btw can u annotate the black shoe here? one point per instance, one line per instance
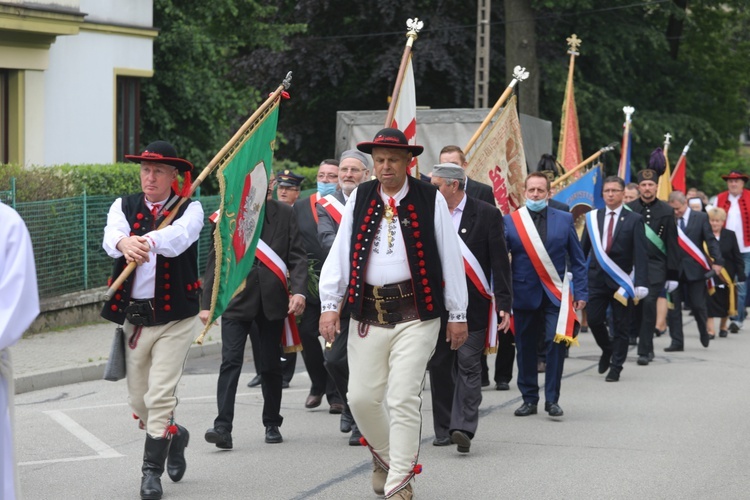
(604, 361)
(643, 360)
(273, 435)
(734, 327)
(651, 356)
(284, 384)
(154, 455)
(674, 348)
(485, 382)
(723, 333)
(502, 386)
(553, 409)
(705, 339)
(354, 439)
(176, 464)
(633, 341)
(584, 329)
(613, 376)
(461, 440)
(219, 436)
(525, 410)
(255, 381)
(313, 400)
(345, 424)
(441, 441)
(659, 333)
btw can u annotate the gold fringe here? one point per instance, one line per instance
(292, 348)
(490, 350)
(564, 339)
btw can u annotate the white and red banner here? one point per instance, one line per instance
(405, 112)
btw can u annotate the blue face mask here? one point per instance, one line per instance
(326, 188)
(536, 206)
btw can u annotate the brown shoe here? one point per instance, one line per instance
(313, 401)
(404, 494)
(379, 475)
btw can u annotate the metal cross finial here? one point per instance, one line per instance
(667, 136)
(628, 110)
(573, 43)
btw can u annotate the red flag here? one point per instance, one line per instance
(569, 148)
(405, 113)
(679, 176)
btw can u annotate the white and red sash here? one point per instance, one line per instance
(476, 275)
(696, 254)
(333, 206)
(290, 340)
(313, 201)
(543, 265)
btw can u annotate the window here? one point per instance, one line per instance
(128, 116)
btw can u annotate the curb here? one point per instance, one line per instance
(94, 371)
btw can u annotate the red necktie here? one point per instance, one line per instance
(155, 211)
(610, 227)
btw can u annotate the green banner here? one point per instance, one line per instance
(243, 179)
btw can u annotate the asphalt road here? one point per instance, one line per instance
(676, 429)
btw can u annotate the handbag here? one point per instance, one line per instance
(115, 369)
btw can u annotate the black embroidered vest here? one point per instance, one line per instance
(416, 216)
(177, 290)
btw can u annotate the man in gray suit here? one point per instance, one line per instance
(692, 227)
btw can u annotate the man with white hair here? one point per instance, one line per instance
(353, 170)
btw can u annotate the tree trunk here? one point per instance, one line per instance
(520, 50)
(674, 28)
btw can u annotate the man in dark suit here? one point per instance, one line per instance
(455, 376)
(695, 227)
(353, 170)
(265, 300)
(307, 219)
(663, 261)
(538, 235)
(617, 240)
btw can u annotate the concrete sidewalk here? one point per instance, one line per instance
(78, 354)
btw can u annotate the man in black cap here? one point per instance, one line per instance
(661, 249)
(157, 304)
(396, 265)
(736, 203)
(288, 187)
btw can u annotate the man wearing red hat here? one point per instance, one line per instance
(736, 202)
(396, 266)
(157, 304)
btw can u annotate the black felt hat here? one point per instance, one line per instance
(162, 152)
(390, 138)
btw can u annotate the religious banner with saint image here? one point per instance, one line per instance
(499, 161)
(243, 179)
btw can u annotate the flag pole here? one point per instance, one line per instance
(414, 26)
(519, 74)
(216, 161)
(684, 153)
(624, 159)
(585, 162)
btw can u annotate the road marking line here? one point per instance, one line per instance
(102, 449)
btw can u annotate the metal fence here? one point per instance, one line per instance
(67, 238)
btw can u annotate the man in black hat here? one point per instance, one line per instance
(288, 187)
(396, 265)
(736, 203)
(661, 249)
(157, 304)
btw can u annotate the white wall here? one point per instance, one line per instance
(125, 12)
(80, 94)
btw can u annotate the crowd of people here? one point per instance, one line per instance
(414, 277)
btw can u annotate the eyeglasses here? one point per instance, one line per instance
(353, 170)
(331, 177)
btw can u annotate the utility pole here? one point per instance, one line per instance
(482, 74)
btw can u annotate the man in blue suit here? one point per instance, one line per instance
(539, 239)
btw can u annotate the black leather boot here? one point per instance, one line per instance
(176, 459)
(154, 455)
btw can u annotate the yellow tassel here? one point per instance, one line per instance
(564, 339)
(292, 348)
(490, 350)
